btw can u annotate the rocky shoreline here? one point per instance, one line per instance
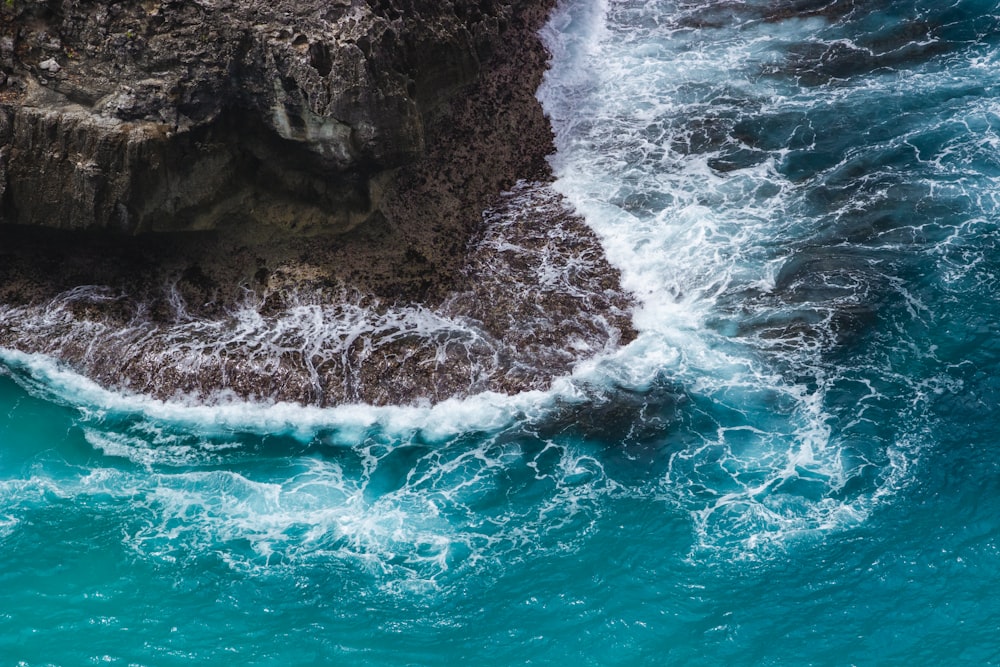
(294, 209)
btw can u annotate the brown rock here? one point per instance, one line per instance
(284, 199)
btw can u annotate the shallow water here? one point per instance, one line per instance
(792, 464)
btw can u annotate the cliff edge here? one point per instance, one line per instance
(295, 114)
(290, 200)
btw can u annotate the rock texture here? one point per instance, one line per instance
(191, 114)
(534, 296)
(285, 199)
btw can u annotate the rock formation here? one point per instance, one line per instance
(174, 163)
(186, 114)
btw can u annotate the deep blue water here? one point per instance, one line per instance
(796, 462)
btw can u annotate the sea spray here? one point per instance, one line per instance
(792, 462)
(533, 298)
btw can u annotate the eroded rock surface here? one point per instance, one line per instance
(181, 114)
(284, 199)
(534, 295)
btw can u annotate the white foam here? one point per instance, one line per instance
(703, 248)
(484, 412)
(643, 105)
(414, 529)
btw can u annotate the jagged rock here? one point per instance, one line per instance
(189, 115)
(158, 326)
(284, 200)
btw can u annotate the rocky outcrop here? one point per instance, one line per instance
(177, 115)
(534, 295)
(285, 200)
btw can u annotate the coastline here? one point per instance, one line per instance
(400, 309)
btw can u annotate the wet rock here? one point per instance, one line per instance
(284, 200)
(153, 323)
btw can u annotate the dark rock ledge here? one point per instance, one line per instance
(284, 199)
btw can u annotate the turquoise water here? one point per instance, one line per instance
(793, 464)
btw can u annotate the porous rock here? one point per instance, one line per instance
(179, 115)
(284, 200)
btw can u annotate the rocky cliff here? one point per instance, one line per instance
(188, 114)
(167, 167)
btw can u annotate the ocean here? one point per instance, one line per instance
(793, 463)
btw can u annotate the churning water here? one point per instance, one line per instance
(792, 464)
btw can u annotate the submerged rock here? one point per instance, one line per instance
(283, 199)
